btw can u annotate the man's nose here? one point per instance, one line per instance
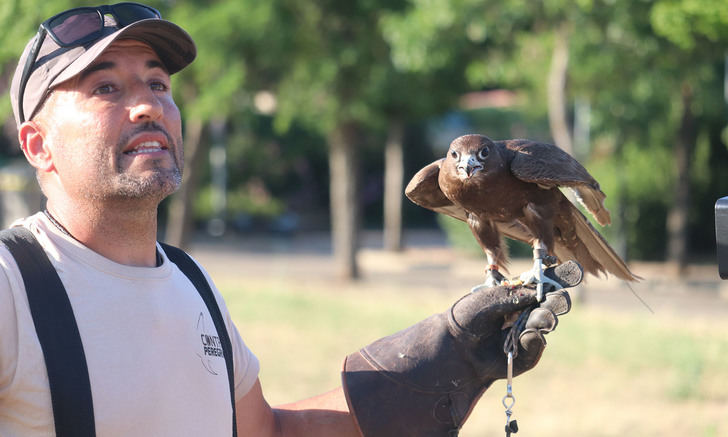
(145, 105)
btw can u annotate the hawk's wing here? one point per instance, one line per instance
(424, 190)
(549, 166)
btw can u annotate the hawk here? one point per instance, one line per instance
(511, 188)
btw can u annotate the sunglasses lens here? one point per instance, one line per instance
(127, 13)
(75, 26)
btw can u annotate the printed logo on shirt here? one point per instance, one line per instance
(211, 346)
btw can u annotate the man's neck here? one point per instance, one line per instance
(124, 232)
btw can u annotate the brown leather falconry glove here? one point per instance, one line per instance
(425, 380)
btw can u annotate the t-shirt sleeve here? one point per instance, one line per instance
(247, 366)
(8, 324)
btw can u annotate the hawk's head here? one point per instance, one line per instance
(472, 155)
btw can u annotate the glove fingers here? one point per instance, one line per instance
(483, 311)
(469, 313)
(568, 274)
(532, 344)
(540, 322)
(544, 319)
(559, 302)
(532, 340)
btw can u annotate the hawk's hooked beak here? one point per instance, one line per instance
(468, 166)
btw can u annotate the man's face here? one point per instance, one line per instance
(114, 130)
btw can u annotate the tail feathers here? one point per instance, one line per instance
(593, 200)
(593, 252)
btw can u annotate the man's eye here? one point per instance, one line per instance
(159, 86)
(104, 89)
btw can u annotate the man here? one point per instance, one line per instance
(95, 115)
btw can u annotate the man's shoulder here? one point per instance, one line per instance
(27, 222)
(11, 279)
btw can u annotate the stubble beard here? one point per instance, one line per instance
(154, 185)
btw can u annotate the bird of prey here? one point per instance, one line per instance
(511, 188)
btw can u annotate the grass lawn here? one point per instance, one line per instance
(604, 373)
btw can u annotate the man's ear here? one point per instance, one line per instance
(36, 150)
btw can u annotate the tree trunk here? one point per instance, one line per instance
(582, 128)
(218, 169)
(393, 181)
(558, 120)
(344, 204)
(179, 222)
(677, 216)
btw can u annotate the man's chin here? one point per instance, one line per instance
(155, 186)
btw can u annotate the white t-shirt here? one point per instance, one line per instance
(154, 359)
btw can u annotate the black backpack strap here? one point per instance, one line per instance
(188, 266)
(55, 325)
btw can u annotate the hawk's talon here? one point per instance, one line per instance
(550, 260)
(530, 277)
(493, 278)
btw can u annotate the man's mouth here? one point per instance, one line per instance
(146, 147)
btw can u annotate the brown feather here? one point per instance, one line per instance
(424, 190)
(603, 257)
(593, 201)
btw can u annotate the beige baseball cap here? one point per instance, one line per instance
(55, 64)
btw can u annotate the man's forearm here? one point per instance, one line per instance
(321, 416)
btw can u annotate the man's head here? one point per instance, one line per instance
(97, 118)
(70, 41)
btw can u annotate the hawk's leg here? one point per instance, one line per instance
(493, 277)
(535, 275)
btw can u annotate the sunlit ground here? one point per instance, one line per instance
(611, 369)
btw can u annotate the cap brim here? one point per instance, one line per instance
(173, 45)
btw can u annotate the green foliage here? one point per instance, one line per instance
(371, 61)
(638, 187)
(515, 122)
(416, 36)
(214, 85)
(337, 69)
(459, 235)
(688, 23)
(252, 200)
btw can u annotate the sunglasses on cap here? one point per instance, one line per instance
(78, 27)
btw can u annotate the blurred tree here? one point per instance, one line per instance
(649, 97)
(342, 79)
(699, 30)
(647, 109)
(212, 88)
(346, 74)
(422, 76)
(328, 76)
(315, 58)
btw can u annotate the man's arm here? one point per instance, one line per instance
(425, 379)
(323, 415)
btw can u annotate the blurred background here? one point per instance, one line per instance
(303, 121)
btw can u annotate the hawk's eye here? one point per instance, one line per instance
(483, 153)
(454, 154)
